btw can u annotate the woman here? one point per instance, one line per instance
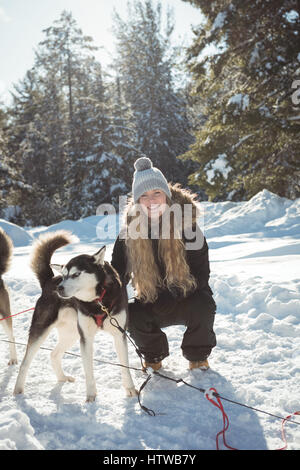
(169, 269)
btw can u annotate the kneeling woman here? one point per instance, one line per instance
(169, 267)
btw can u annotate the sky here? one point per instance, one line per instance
(22, 22)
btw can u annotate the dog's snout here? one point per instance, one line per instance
(60, 289)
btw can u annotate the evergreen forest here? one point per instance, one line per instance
(220, 116)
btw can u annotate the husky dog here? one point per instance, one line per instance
(70, 302)
(6, 248)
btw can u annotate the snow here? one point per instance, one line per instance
(19, 236)
(218, 23)
(255, 259)
(254, 54)
(239, 100)
(294, 118)
(220, 165)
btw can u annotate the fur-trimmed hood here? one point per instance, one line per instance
(183, 197)
(179, 195)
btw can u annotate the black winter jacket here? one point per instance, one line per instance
(197, 260)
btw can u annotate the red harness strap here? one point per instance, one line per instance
(100, 317)
(99, 299)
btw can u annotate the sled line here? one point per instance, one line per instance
(202, 390)
(15, 314)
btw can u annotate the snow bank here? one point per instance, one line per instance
(19, 236)
(264, 211)
(92, 228)
(16, 431)
(80, 228)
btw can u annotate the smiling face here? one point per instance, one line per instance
(153, 203)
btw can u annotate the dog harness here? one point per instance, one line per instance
(100, 317)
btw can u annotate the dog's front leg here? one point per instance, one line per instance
(122, 353)
(87, 329)
(121, 346)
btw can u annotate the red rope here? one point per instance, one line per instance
(219, 405)
(282, 429)
(10, 316)
(32, 308)
(213, 393)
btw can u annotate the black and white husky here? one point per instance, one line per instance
(6, 248)
(70, 302)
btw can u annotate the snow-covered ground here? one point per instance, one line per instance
(255, 260)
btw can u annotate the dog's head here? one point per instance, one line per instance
(82, 276)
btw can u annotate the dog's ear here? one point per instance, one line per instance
(99, 256)
(57, 267)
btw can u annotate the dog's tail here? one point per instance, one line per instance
(43, 249)
(6, 249)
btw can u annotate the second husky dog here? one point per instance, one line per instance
(70, 302)
(6, 247)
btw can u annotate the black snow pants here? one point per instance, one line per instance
(196, 312)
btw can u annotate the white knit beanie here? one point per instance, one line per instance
(146, 178)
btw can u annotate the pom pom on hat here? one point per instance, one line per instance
(143, 163)
(146, 178)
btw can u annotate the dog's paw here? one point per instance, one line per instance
(131, 392)
(67, 378)
(18, 390)
(12, 362)
(90, 398)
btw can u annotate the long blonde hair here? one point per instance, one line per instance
(146, 276)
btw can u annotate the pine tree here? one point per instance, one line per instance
(145, 64)
(62, 58)
(61, 128)
(5, 170)
(36, 142)
(12, 186)
(88, 160)
(125, 138)
(96, 158)
(249, 137)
